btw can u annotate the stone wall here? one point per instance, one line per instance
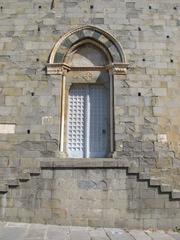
(147, 102)
(90, 198)
(147, 120)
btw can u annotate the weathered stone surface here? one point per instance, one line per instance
(159, 235)
(82, 196)
(98, 233)
(118, 234)
(16, 233)
(76, 234)
(141, 235)
(146, 124)
(175, 235)
(4, 161)
(24, 231)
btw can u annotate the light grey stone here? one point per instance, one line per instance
(57, 233)
(77, 235)
(118, 234)
(159, 235)
(139, 235)
(97, 192)
(175, 235)
(15, 233)
(98, 233)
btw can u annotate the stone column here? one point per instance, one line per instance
(63, 86)
(119, 74)
(60, 69)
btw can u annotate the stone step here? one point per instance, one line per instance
(144, 176)
(24, 176)
(155, 182)
(133, 170)
(36, 171)
(86, 163)
(3, 188)
(124, 163)
(13, 182)
(166, 188)
(175, 194)
(131, 167)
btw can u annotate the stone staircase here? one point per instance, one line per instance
(23, 176)
(153, 178)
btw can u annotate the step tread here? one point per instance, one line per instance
(144, 175)
(175, 194)
(13, 182)
(3, 188)
(166, 187)
(35, 171)
(155, 182)
(24, 176)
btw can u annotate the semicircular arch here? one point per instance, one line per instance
(71, 38)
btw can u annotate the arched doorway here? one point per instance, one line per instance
(88, 118)
(88, 58)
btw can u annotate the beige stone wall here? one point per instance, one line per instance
(146, 101)
(149, 34)
(98, 198)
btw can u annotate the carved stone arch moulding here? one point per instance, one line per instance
(57, 64)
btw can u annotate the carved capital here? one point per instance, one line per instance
(119, 68)
(57, 69)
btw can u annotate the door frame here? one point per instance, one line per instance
(58, 65)
(67, 83)
(64, 140)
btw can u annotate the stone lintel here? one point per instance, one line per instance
(62, 68)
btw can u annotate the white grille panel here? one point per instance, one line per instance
(76, 130)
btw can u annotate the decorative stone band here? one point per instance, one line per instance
(62, 68)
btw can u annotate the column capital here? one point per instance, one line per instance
(119, 68)
(57, 68)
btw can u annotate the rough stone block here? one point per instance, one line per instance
(4, 161)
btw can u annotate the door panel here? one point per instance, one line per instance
(88, 126)
(98, 121)
(76, 121)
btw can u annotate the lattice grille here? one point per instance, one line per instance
(76, 130)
